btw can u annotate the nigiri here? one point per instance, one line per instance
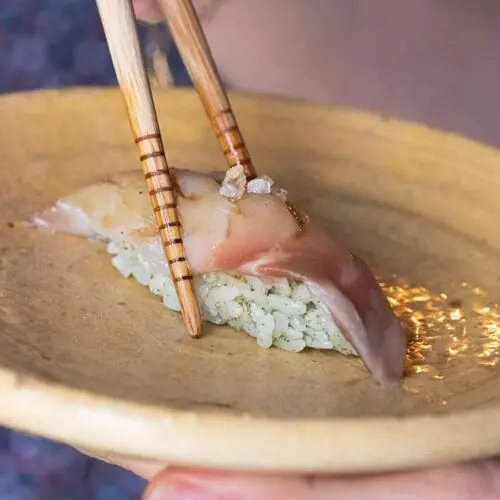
(260, 265)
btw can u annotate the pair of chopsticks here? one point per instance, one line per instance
(120, 28)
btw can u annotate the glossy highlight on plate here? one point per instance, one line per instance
(438, 327)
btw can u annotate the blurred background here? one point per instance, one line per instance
(60, 43)
(50, 44)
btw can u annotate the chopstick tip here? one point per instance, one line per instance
(193, 323)
(190, 310)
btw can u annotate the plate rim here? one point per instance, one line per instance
(155, 433)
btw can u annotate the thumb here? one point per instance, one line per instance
(480, 480)
(203, 485)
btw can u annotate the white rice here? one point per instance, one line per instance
(278, 312)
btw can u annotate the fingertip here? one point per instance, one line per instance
(172, 484)
(175, 484)
(148, 11)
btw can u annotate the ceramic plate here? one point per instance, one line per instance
(92, 359)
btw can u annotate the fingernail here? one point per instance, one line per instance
(182, 491)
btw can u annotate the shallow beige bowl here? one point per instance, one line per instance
(90, 358)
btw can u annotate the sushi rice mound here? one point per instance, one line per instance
(277, 312)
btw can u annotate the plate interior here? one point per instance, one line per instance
(419, 205)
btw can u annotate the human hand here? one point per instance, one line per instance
(478, 480)
(147, 11)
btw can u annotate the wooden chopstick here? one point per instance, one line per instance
(192, 44)
(120, 27)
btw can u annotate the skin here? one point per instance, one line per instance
(369, 55)
(426, 61)
(479, 480)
